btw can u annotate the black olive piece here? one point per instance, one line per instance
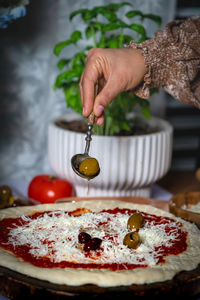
(93, 244)
(83, 237)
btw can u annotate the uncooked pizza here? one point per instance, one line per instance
(107, 243)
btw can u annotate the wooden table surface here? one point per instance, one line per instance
(180, 182)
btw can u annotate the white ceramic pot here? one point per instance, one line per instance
(129, 165)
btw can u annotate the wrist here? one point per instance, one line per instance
(138, 66)
(141, 60)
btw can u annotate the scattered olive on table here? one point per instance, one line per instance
(18, 202)
(5, 194)
(8, 200)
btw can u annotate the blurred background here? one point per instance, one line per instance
(28, 71)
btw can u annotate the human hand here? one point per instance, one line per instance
(115, 70)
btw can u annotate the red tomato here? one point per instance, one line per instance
(47, 188)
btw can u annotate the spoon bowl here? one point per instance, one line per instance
(76, 160)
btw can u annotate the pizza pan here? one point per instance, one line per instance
(15, 285)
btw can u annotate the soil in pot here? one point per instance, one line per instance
(81, 127)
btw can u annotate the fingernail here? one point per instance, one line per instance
(98, 122)
(100, 110)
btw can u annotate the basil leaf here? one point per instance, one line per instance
(76, 35)
(138, 28)
(110, 26)
(145, 109)
(155, 18)
(66, 77)
(60, 46)
(74, 13)
(62, 63)
(116, 6)
(89, 15)
(133, 13)
(78, 60)
(72, 97)
(127, 39)
(109, 15)
(112, 43)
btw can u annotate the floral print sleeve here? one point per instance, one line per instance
(172, 60)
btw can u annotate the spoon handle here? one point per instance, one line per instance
(88, 138)
(91, 120)
(91, 117)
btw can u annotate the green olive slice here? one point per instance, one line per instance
(132, 240)
(135, 221)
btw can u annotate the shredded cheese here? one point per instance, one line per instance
(55, 235)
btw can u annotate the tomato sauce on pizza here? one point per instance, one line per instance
(92, 240)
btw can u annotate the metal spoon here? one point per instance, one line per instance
(78, 158)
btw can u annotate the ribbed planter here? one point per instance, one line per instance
(129, 165)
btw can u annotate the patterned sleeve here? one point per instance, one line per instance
(172, 60)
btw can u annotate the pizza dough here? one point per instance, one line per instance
(187, 260)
